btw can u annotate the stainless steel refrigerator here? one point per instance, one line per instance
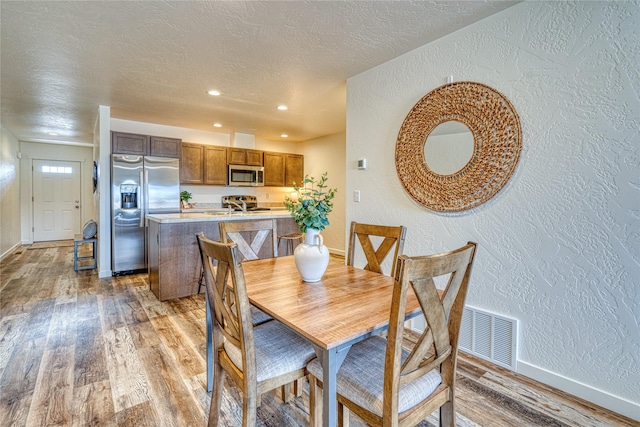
(140, 185)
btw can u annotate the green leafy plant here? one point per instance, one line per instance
(185, 196)
(313, 203)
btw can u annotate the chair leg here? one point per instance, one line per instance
(447, 415)
(216, 397)
(343, 416)
(209, 348)
(249, 408)
(315, 402)
(286, 392)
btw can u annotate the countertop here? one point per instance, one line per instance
(216, 215)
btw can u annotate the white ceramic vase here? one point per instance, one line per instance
(311, 257)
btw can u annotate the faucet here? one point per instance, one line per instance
(243, 207)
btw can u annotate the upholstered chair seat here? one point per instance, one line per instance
(361, 377)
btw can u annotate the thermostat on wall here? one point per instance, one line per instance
(362, 164)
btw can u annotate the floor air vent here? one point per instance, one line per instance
(490, 337)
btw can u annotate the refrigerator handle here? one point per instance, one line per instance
(143, 190)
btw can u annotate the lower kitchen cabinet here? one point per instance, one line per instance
(174, 257)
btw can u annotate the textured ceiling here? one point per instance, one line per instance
(153, 61)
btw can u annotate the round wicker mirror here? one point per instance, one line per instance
(497, 136)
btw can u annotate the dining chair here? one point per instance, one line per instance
(256, 358)
(395, 382)
(258, 316)
(252, 237)
(392, 239)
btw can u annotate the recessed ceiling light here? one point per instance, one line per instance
(284, 135)
(217, 125)
(53, 134)
(214, 93)
(282, 107)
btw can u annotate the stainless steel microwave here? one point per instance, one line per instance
(246, 176)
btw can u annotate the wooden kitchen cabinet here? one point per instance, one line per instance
(192, 164)
(129, 143)
(283, 169)
(144, 145)
(244, 156)
(274, 169)
(164, 147)
(174, 257)
(293, 169)
(203, 164)
(215, 165)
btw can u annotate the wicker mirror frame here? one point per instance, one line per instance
(497, 135)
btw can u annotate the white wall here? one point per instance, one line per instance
(9, 192)
(327, 154)
(559, 247)
(44, 151)
(102, 197)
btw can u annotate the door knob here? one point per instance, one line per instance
(77, 207)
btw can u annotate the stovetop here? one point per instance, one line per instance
(236, 203)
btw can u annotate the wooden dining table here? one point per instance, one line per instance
(348, 305)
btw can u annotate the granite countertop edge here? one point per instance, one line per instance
(215, 216)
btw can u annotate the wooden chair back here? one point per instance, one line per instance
(230, 308)
(256, 239)
(234, 334)
(392, 240)
(437, 346)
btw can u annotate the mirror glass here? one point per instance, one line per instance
(448, 148)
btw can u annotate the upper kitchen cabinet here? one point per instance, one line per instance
(215, 165)
(129, 143)
(244, 156)
(164, 147)
(192, 164)
(144, 145)
(273, 169)
(293, 169)
(282, 169)
(203, 164)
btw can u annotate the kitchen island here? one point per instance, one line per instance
(174, 257)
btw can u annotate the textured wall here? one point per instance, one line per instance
(9, 192)
(559, 246)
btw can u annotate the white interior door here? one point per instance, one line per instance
(56, 200)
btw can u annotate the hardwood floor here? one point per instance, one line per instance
(76, 350)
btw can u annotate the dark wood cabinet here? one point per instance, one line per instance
(208, 165)
(203, 164)
(129, 143)
(144, 145)
(215, 165)
(174, 257)
(164, 147)
(244, 156)
(192, 164)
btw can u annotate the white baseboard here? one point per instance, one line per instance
(10, 251)
(601, 398)
(336, 251)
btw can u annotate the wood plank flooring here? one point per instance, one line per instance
(76, 350)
